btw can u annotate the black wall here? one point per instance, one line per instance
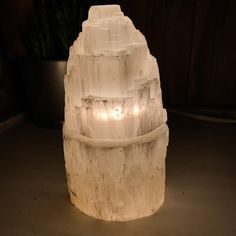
(193, 41)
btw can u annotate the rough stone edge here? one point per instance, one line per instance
(73, 202)
(151, 136)
(112, 143)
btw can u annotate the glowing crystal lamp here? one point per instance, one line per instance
(115, 132)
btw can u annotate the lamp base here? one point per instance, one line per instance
(116, 180)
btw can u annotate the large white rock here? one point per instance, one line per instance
(115, 136)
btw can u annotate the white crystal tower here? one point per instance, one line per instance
(115, 132)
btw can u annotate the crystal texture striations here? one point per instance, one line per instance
(115, 132)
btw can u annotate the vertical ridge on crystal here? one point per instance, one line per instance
(110, 59)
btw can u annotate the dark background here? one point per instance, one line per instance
(194, 42)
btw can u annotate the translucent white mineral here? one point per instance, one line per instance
(115, 136)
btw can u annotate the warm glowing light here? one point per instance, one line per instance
(117, 113)
(103, 115)
(115, 132)
(135, 110)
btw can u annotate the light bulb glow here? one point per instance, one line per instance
(135, 110)
(116, 114)
(103, 116)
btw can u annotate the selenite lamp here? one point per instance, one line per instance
(115, 132)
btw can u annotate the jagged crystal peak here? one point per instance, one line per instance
(104, 11)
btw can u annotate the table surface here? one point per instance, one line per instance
(200, 185)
